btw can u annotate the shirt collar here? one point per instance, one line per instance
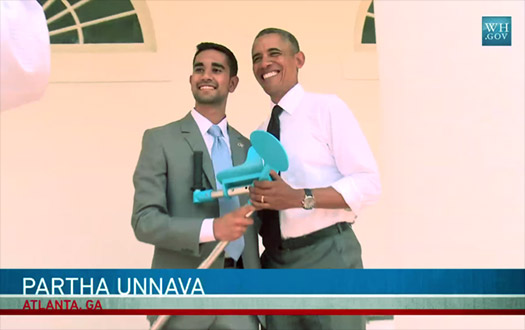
(204, 123)
(291, 99)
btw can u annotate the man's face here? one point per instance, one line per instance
(210, 80)
(275, 65)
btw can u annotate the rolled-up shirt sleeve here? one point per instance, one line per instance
(206, 234)
(360, 184)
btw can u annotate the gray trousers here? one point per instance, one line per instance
(338, 251)
(210, 322)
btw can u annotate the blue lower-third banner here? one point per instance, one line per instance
(297, 291)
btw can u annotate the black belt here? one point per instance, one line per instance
(231, 263)
(302, 241)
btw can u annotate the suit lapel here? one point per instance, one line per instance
(191, 133)
(238, 150)
(237, 146)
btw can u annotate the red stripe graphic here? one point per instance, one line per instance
(265, 312)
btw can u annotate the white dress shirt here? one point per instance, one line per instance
(204, 124)
(326, 148)
(24, 52)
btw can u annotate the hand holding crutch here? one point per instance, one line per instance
(266, 154)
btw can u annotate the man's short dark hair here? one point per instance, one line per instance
(287, 36)
(232, 61)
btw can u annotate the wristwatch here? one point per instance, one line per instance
(308, 200)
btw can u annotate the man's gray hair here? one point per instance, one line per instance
(284, 34)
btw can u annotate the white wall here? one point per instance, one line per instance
(67, 160)
(452, 142)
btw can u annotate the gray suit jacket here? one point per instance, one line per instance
(163, 210)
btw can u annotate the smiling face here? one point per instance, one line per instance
(275, 65)
(210, 80)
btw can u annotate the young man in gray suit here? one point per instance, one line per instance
(164, 214)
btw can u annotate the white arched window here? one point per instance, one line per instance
(365, 29)
(369, 27)
(361, 63)
(95, 23)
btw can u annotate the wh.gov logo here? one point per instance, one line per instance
(496, 30)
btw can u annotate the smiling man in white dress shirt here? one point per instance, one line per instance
(308, 210)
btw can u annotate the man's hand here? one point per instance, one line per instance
(231, 226)
(275, 195)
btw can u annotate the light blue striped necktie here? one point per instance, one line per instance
(221, 158)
